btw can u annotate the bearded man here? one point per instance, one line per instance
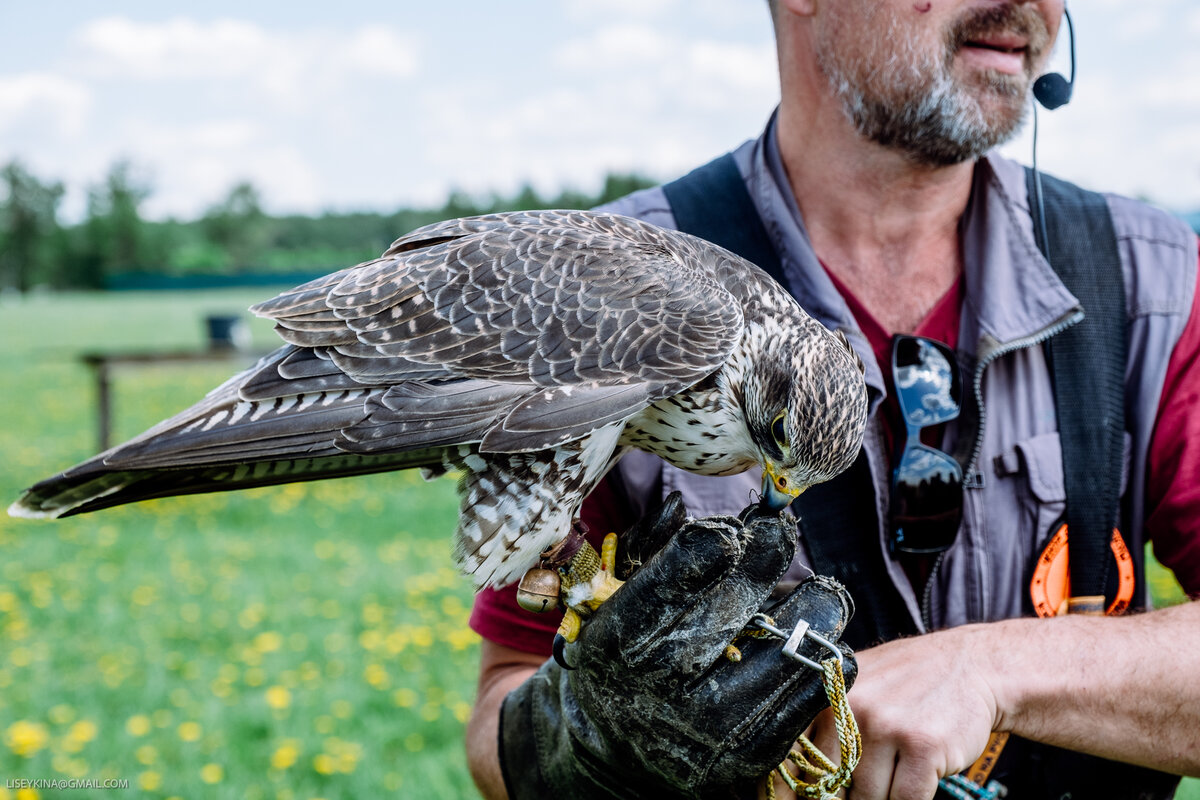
(890, 221)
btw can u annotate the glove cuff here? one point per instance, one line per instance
(517, 749)
(546, 749)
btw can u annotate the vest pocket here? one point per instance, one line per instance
(1036, 465)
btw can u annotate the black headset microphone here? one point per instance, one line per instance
(1053, 91)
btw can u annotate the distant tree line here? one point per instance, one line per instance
(234, 236)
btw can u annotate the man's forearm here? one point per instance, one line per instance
(1124, 688)
(501, 670)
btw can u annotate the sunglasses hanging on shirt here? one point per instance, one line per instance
(927, 484)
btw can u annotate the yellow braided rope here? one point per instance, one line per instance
(811, 761)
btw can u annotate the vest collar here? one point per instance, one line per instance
(1012, 292)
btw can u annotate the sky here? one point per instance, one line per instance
(365, 105)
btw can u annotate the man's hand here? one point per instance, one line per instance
(653, 707)
(925, 710)
(1121, 688)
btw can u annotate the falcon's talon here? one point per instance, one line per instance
(560, 651)
(588, 580)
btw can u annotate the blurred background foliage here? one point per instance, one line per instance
(114, 243)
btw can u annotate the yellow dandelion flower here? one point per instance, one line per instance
(268, 642)
(26, 738)
(190, 731)
(20, 657)
(414, 742)
(82, 731)
(149, 781)
(161, 717)
(396, 641)
(212, 773)
(462, 711)
(27, 794)
(8, 601)
(137, 725)
(278, 697)
(324, 764)
(286, 754)
(144, 595)
(422, 636)
(324, 724)
(255, 676)
(377, 676)
(372, 613)
(405, 698)
(341, 708)
(461, 638)
(146, 755)
(249, 617)
(370, 639)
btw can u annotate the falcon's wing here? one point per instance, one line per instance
(597, 314)
(514, 332)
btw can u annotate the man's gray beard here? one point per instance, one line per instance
(912, 104)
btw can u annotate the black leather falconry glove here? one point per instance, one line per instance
(653, 708)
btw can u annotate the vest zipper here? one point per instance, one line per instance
(1072, 317)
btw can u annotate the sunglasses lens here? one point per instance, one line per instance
(928, 386)
(927, 500)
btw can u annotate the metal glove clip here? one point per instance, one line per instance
(791, 645)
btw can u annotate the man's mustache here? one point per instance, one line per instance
(982, 23)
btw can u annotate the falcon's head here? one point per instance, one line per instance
(806, 410)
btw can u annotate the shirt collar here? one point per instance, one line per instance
(1012, 292)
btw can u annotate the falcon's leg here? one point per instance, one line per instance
(513, 506)
(588, 580)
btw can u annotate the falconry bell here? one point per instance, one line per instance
(538, 590)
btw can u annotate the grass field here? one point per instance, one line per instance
(307, 641)
(295, 642)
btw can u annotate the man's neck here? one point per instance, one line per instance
(888, 228)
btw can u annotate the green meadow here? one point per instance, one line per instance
(293, 642)
(298, 642)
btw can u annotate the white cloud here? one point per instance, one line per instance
(378, 50)
(287, 65)
(615, 47)
(64, 101)
(178, 48)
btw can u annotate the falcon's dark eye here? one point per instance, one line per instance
(779, 430)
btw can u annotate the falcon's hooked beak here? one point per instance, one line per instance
(777, 492)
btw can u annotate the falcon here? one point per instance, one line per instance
(526, 351)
